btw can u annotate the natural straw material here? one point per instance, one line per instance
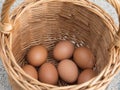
(46, 22)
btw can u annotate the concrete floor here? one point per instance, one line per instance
(114, 85)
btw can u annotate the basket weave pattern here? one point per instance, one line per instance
(48, 21)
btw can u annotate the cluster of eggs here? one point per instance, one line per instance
(70, 61)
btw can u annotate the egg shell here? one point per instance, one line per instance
(84, 58)
(48, 74)
(68, 71)
(63, 50)
(30, 70)
(86, 75)
(37, 55)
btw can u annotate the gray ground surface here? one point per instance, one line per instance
(114, 85)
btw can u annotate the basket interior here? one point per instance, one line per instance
(47, 23)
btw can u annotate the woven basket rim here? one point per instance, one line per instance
(93, 8)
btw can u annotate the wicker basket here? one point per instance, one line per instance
(48, 21)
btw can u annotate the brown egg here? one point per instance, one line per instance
(37, 55)
(63, 50)
(68, 71)
(30, 70)
(84, 58)
(48, 74)
(86, 75)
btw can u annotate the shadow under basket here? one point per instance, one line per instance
(47, 22)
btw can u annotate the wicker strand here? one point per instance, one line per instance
(5, 11)
(5, 25)
(5, 28)
(116, 5)
(8, 3)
